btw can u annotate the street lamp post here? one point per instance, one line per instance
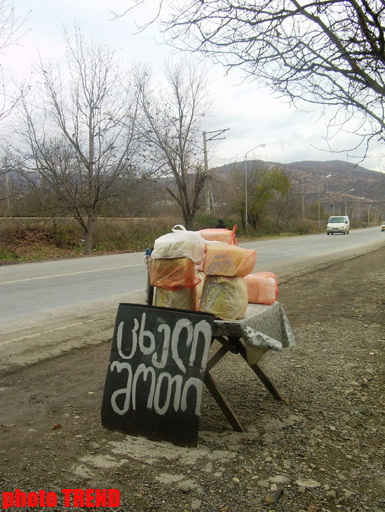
(319, 203)
(303, 194)
(259, 146)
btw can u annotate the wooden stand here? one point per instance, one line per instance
(234, 345)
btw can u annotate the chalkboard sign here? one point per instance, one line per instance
(155, 376)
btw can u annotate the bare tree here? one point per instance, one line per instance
(172, 130)
(80, 130)
(328, 52)
(10, 34)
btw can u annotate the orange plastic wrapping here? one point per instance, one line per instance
(172, 273)
(262, 288)
(185, 298)
(225, 297)
(227, 260)
(219, 235)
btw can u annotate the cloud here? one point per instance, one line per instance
(253, 115)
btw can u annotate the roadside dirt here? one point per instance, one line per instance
(322, 451)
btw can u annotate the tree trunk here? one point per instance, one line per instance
(88, 242)
(89, 235)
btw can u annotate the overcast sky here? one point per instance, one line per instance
(253, 116)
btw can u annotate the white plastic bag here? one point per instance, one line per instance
(180, 244)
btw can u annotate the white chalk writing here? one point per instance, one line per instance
(201, 330)
(163, 390)
(129, 392)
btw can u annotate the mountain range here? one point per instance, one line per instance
(332, 181)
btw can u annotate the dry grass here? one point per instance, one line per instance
(23, 240)
(34, 239)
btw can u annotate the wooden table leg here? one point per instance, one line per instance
(260, 374)
(267, 383)
(221, 401)
(216, 358)
(235, 345)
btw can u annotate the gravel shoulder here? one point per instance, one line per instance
(322, 451)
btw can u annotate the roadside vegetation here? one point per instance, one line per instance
(33, 228)
(34, 239)
(37, 239)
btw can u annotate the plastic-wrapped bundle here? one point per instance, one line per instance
(199, 286)
(180, 244)
(262, 288)
(225, 297)
(231, 261)
(199, 268)
(219, 235)
(173, 273)
(185, 298)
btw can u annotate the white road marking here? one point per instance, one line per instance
(69, 274)
(37, 334)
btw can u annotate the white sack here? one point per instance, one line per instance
(180, 244)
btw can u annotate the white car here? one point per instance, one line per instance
(383, 226)
(338, 224)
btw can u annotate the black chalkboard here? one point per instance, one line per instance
(155, 376)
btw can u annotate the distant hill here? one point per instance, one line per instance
(332, 181)
(328, 166)
(339, 181)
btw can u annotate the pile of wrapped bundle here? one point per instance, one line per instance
(191, 270)
(227, 285)
(224, 291)
(172, 268)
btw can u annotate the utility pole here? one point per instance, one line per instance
(214, 136)
(319, 208)
(319, 201)
(302, 199)
(7, 193)
(206, 164)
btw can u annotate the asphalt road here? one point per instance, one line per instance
(35, 293)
